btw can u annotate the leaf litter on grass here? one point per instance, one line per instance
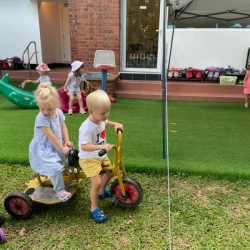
(205, 214)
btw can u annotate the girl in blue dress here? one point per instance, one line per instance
(51, 139)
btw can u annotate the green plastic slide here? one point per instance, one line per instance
(17, 96)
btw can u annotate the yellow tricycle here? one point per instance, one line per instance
(125, 191)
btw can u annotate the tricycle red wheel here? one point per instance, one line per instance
(19, 205)
(133, 190)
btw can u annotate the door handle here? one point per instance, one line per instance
(160, 31)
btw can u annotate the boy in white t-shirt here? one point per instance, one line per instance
(92, 138)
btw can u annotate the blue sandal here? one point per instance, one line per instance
(106, 194)
(98, 215)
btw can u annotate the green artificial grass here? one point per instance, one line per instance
(211, 138)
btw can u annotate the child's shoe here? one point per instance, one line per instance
(82, 111)
(98, 215)
(246, 105)
(106, 194)
(70, 112)
(63, 195)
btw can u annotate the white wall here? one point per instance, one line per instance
(50, 32)
(19, 25)
(200, 48)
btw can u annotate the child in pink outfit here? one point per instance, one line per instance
(246, 86)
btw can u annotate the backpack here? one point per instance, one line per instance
(10, 62)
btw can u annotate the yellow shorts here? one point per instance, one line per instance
(92, 167)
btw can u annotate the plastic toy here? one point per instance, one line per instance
(17, 96)
(64, 103)
(96, 75)
(2, 235)
(104, 60)
(125, 191)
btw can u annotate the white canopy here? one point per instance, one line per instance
(227, 10)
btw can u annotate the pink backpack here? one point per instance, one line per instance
(213, 72)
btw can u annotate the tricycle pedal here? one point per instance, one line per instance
(114, 199)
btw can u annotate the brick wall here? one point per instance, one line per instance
(94, 25)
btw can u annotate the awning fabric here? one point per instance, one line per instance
(226, 10)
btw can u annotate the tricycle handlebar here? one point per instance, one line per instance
(102, 152)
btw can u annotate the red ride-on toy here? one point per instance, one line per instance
(125, 191)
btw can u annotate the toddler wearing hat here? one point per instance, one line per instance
(74, 86)
(43, 71)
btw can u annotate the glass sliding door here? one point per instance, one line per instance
(141, 35)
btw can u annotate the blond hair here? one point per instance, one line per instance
(98, 99)
(78, 72)
(46, 93)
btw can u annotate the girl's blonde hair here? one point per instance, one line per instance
(46, 93)
(98, 99)
(78, 71)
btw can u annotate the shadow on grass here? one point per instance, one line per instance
(14, 107)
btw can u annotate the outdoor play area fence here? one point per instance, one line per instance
(142, 60)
